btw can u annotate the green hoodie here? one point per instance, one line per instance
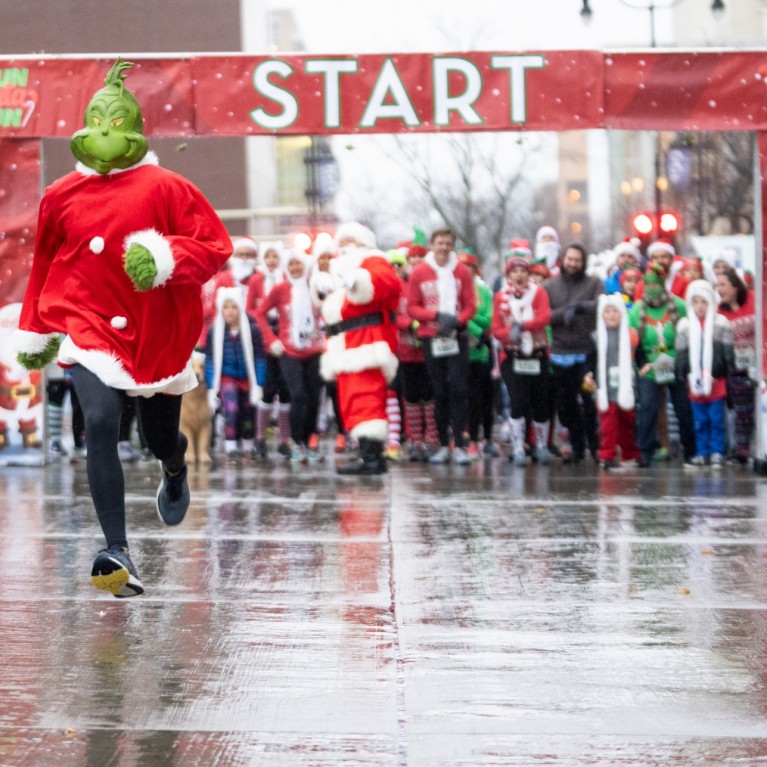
(479, 324)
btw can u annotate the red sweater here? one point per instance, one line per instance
(423, 297)
(537, 324)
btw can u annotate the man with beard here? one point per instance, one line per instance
(573, 297)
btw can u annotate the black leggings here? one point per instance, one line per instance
(102, 408)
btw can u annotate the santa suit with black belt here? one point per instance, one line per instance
(360, 318)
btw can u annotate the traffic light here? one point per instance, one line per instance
(665, 224)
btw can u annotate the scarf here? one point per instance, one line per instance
(302, 325)
(701, 349)
(521, 309)
(446, 283)
(626, 399)
(271, 278)
(246, 339)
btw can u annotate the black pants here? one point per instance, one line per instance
(304, 382)
(102, 408)
(450, 383)
(529, 394)
(481, 410)
(576, 409)
(275, 382)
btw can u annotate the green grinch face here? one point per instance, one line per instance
(113, 134)
(653, 291)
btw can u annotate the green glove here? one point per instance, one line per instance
(41, 359)
(140, 267)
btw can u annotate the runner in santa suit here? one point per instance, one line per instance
(359, 310)
(122, 250)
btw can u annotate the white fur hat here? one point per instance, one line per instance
(702, 288)
(546, 230)
(628, 247)
(275, 245)
(626, 400)
(245, 243)
(237, 295)
(294, 254)
(662, 246)
(352, 230)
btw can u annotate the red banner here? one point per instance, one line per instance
(476, 91)
(686, 91)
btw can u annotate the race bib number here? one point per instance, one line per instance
(614, 377)
(664, 375)
(527, 367)
(745, 359)
(444, 347)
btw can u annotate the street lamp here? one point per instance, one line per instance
(717, 10)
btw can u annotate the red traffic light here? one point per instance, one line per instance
(668, 223)
(642, 223)
(665, 224)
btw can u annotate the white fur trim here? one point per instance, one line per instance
(346, 262)
(96, 245)
(160, 250)
(150, 158)
(363, 290)
(111, 371)
(352, 230)
(27, 342)
(338, 359)
(119, 323)
(626, 399)
(377, 429)
(331, 306)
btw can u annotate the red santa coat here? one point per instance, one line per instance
(410, 349)
(362, 359)
(140, 342)
(279, 298)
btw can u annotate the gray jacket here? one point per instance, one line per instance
(581, 292)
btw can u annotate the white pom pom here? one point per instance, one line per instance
(119, 322)
(97, 244)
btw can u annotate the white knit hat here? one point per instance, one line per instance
(626, 400)
(352, 230)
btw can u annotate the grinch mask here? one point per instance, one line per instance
(654, 292)
(113, 134)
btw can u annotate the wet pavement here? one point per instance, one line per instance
(480, 615)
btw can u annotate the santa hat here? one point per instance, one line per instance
(352, 230)
(701, 346)
(521, 248)
(237, 296)
(546, 230)
(626, 399)
(470, 260)
(538, 267)
(245, 243)
(664, 246)
(630, 272)
(629, 247)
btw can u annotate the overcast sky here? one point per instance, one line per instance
(364, 26)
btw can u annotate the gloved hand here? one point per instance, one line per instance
(323, 284)
(276, 348)
(256, 395)
(447, 324)
(140, 267)
(570, 311)
(213, 400)
(515, 333)
(41, 359)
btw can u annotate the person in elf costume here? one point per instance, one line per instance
(359, 311)
(655, 317)
(122, 250)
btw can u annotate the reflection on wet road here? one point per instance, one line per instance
(480, 615)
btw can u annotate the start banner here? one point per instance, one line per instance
(240, 94)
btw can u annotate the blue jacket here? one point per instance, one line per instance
(233, 363)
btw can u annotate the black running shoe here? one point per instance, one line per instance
(173, 497)
(114, 572)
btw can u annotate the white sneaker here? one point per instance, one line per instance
(717, 460)
(521, 458)
(127, 452)
(441, 456)
(461, 457)
(542, 455)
